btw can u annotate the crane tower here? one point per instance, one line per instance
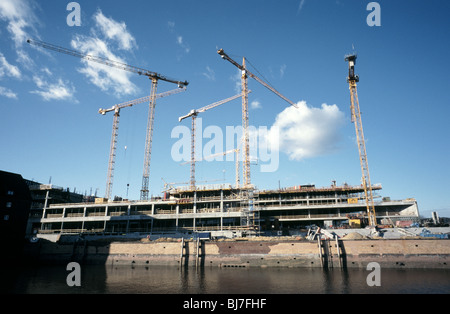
(153, 76)
(356, 119)
(246, 146)
(193, 114)
(115, 130)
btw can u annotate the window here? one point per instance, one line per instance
(10, 192)
(6, 217)
(8, 204)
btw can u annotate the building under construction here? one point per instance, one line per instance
(221, 210)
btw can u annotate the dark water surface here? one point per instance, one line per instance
(173, 280)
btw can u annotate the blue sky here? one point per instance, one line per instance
(50, 127)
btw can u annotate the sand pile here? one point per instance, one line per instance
(354, 236)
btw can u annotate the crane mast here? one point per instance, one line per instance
(244, 82)
(148, 141)
(246, 144)
(112, 153)
(193, 114)
(154, 77)
(356, 119)
(115, 130)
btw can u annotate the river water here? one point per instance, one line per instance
(95, 279)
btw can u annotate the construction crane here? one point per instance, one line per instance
(246, 146)
(153, 76)
(193, 114)
(115, 130)
(356, 119)
(111, 63)
(236, 151)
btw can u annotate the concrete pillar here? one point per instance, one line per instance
(44, 211)
(195, 211)
(177, 211)
(195, 202)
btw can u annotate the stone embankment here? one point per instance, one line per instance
(351, 250)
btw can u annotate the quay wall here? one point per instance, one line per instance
(392, 253)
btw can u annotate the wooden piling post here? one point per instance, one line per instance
(319, 243)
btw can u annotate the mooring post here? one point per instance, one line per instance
(197, 252)
(182, 251)
(319, 244)
(338, 251)
(329, 253)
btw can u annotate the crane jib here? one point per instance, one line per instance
(111, 63)
(242, 68)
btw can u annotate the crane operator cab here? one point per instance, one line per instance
(351, 68)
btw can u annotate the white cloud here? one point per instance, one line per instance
(46, 71)
(306, 132)
(53, 91)
(24, 59)
(255, 104)
(20, 19)
(236, 78)
(282, 70)
(115, 30)
(210, 74)
(300, 6)
(103, 76)
(179, 39)
(182, 44)
(7, 92)
(18, 14)
(8, 69)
